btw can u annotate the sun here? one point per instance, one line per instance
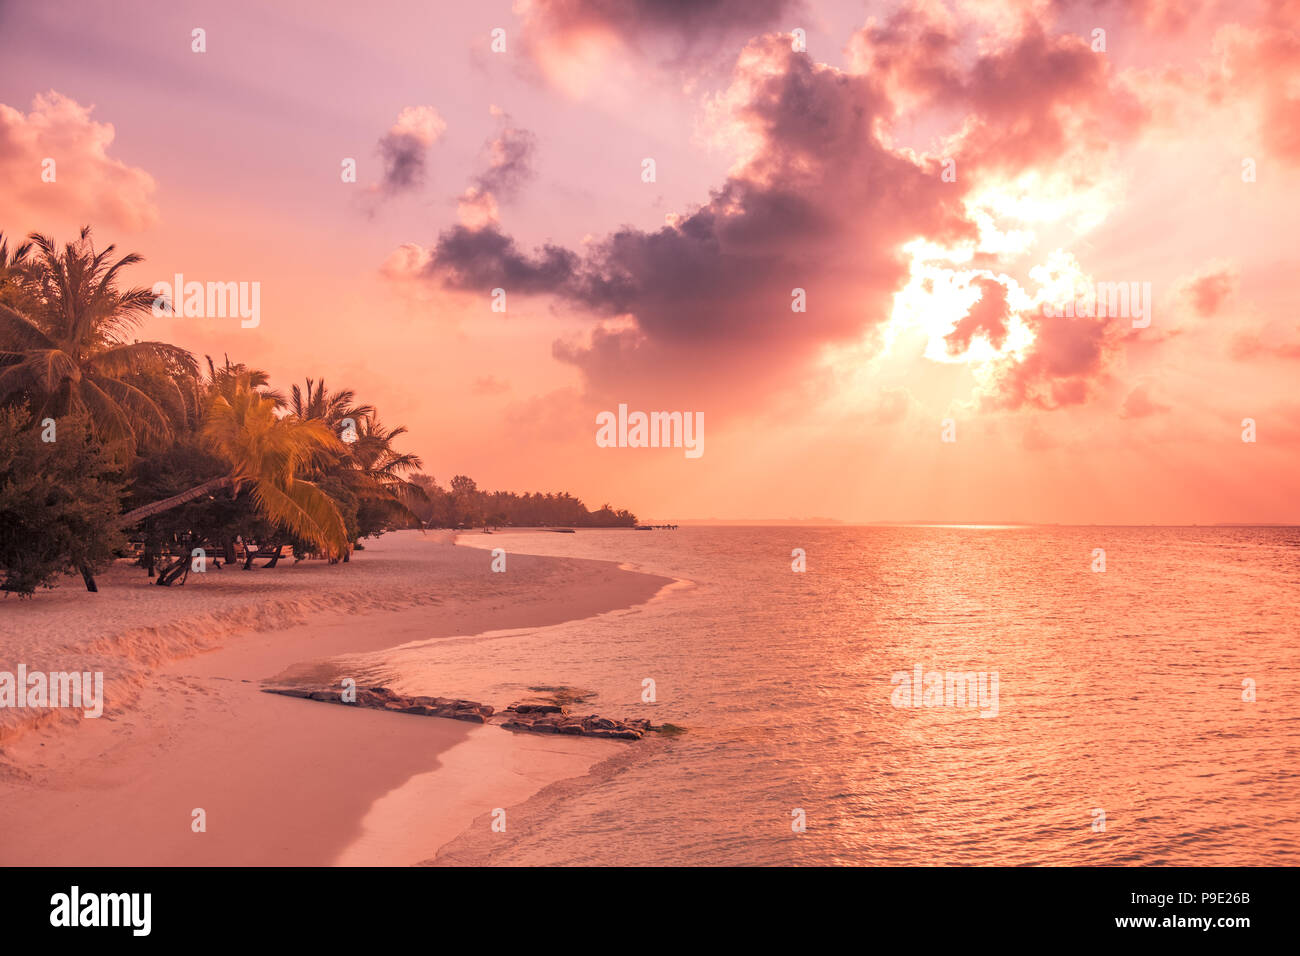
(1012, 219)
(939, 293)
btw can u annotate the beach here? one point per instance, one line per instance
(1130, 695)
(279, 781)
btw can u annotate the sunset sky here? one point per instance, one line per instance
(1169, 157)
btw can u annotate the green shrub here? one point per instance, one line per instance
(59, 502)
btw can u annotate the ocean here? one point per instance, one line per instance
(1140, 715)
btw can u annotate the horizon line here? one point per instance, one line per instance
(838, 523)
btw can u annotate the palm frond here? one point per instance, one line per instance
(306, 511)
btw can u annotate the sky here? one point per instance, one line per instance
(842, 233)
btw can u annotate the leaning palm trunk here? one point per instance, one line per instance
(167, 504)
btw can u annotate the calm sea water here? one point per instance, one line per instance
(1118, 693)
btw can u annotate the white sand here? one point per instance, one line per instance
(283, 781)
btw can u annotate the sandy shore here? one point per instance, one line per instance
(281, 781)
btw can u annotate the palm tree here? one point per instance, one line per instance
(317, 403)
(381, 470)
(11, 272)
(371, 469)
(71, 355)
(266, 452)
(375, 456)
(330, 407)
(233, 376)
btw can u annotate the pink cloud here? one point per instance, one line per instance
(1250, 70)
(1208, 292)
(510, 156)
(1141, 404)
(822, 204)
(1069, 355)
(89, 185)
(987, 317)
(1261, 65)
(404, 148)
(1033, 98)
(1249, 346)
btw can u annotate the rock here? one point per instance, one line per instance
(592, 726)
(381, 698)
(536, 726)
(625, 733)
(536, 707)
(540, 717)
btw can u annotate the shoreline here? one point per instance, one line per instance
(282, 781)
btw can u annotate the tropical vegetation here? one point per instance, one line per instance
(111, 446)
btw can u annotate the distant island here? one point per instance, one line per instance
(464, 505)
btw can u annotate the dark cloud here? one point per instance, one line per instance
(822, 206)
(824, 202)
(485, 259)
(404, 148)
(403, 161)
(690, 24)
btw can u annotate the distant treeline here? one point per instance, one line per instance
(464, 505)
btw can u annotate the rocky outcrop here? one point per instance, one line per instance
(534, 716)
(545, 717)
(381, 698)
